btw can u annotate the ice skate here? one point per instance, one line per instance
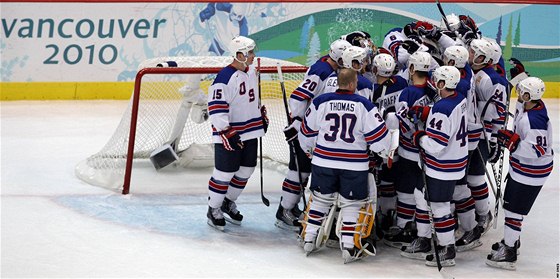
(469, 240)
(504, 257)
(446, 256)
(418, 249)
(216, 218)
(232, 214)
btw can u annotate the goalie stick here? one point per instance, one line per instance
(264, 199)
(291, 144)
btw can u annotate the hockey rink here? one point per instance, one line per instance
(55, 225)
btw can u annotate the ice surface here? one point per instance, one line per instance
(55, 225)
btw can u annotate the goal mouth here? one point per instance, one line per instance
(167, 108)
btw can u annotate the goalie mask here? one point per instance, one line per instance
(353, 57)
(448, 74)
(533, 86)
(336, 49)
(384, 64)
(243, 45)
(459, 54)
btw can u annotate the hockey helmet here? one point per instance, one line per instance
(385, 64)
(351, 54)
(496, 50)
(337, 47)
(421, 61)
(459, 54)
(241, 44)
(481, 47)
(534, 86)
(448, 74)
(453, 21)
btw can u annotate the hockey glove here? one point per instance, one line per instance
(231, 140)
(508, 139)
(416, 137)
(431, 91)
(494, 153)
(427, 30)
(517, 67)
(419, 112)
(290, 133)
(374, 160)
(265, 120)
(412, 44)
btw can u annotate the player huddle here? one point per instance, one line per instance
(394, 142)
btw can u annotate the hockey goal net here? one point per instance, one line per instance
(165, 109)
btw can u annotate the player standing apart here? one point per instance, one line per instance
(237, 122)
(531, 162)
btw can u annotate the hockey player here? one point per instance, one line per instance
(312, 85)
(386, 93)
(463, 202)
(443, 151)
(531, 162)
(411, 98)
(491, 95)
(355, 58)
(336, 132)
(237, 122)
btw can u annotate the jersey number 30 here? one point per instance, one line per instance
(344, 123)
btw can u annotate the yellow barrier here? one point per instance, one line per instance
(13, 91)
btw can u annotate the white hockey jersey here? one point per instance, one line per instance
(446, 143)
(411, 96)
(489, 85)
(392, 42)
(531, 163)
(364, 88)
(338, 127)
(312, 85)
(466, 88)
(386, 97)
(233, 101)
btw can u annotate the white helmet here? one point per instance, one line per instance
(351, 54)
(484, 48)
(421, 61)
(496, 50)
(449, 74)
(532, 85)
(385, 64)
(453, 21)
(337, 47)
(458, 54)
(241, 44)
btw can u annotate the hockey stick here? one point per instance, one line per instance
(443, 16)
(264, 199)
(421, 156)
(291, 144)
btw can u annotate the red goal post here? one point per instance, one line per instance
(161, 110)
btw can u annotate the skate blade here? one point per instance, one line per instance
(231, 221)
(470, 246)
(415, 256)
(502, 265)
(218, 228)
(450, 262)
(284, 226)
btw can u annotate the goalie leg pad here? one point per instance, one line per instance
(355, 229)
(318, 219)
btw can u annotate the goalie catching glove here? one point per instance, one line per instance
(231, 139)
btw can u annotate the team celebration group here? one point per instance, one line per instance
(394, 142)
